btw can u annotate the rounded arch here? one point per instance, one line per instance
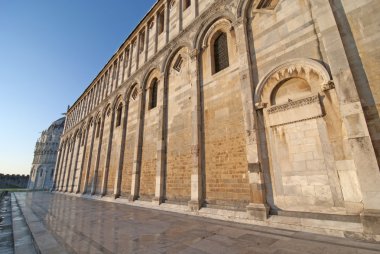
(117, 101)
(300, 67)
(242, 8)
(107, 109)
(150, 75)
(209, 26)
(129, 91)
(172, 53)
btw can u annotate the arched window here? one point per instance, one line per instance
(134, 94)
(119, 112)
(186, 4)
(98, 128)
(83, 137)
(221, 53)
(153, 94)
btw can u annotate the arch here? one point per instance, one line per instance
(117, 101)
(289, 69)
(150, 75)
(243, 7)
(172, 53)
(129, 91)
(107, 109)
(210, 25)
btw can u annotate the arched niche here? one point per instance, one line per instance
(299, 164)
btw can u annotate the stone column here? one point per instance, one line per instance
(138, 51)
(135, 187)
(108, 154)
(76, 163)
(83, 159)
(180, 15)
(161, 145)
(167, 20)
(197, 197)
(195, 8)
(156, 35)
(119, 61)
(58, 183)
(146, 41)
(130, 59)
(71, 161)
(117, 188)
(362, 159)
(56, 169)
(258, 208)
(64, 168)
(88, 166)
(125, 60)
(94, 182)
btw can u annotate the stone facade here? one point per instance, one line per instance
(269, 107)
(45, 156)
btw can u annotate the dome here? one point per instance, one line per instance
(58, 124)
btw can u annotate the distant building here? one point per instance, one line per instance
(13, 181)
(45, 155)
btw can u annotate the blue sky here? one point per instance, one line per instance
(50, 51)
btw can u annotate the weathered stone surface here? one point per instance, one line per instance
(235, 105)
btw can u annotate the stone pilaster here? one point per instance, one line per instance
(75, 163)
(83, 159)
(161, 145)
(56, 169)
(64, 168)
(97, 158)
(117, 188)
(167, 20)
(135, 187)
(57, 184)
(258, 208)
(146, 46)
(108, 154)
(88, 166)
(72, 145)
(196, 174)
(363, 159)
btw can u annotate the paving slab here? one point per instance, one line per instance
(69, 224)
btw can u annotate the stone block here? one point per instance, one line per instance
(371, 221)
(350, 185)
(318, 180)
(258, 211)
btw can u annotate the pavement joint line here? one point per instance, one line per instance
(348, 242)
(36, 248)
(36, 241)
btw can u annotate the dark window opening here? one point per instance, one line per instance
(98, 129)
(267, 4)
(142, 42)
(134, 94)
(119, 112)
(153, 94)
(161, 22)
(178, 63)
(186, 4)
(221, 53)
(83, 137)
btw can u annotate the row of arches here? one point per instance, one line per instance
(142, 143)
(201, 130)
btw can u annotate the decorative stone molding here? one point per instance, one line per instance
(328, 86)
(293, 68)
(220, 24)
(293, 104)
(295, 111)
